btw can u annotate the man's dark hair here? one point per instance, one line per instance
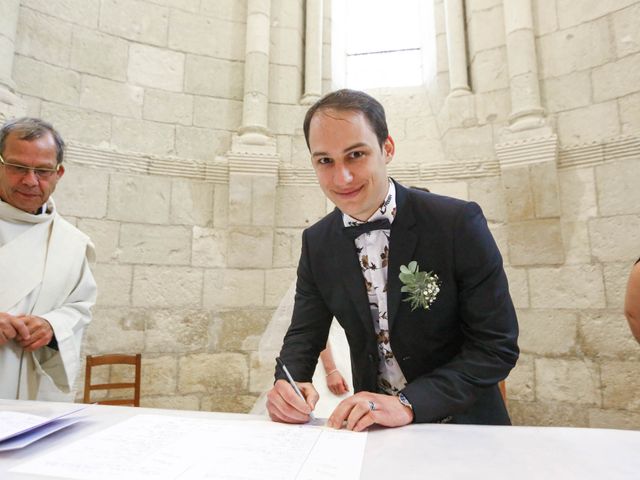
(354, 101)
(29, 128)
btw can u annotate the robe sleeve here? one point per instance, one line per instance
(68, 322)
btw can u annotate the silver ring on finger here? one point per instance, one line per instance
(372, 406)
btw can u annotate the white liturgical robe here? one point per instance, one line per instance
(44, 271)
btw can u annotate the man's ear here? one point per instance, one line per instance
(389, 148)
(60, 171)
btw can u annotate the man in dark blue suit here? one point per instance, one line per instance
(436, 359)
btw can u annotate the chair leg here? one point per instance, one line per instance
(87, 381)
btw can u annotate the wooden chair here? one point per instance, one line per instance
(113, 359)
(503, 391)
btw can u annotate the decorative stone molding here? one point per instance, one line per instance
(517, 153)
(528, 151)
(460, 170)
(296, 176)
(408, 174)
(257, 163)
(445, 171)
(90, 156)
(625, 147)
(253, 163)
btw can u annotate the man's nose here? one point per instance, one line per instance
(343, 175)
(30, 178)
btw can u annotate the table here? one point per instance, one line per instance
(415, 451)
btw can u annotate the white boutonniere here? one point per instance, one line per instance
(422, 287)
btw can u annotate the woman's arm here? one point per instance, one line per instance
(632, 301)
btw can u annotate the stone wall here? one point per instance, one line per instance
(198, 231)
(148, 95)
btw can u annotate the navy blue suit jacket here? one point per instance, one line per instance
(452, 355)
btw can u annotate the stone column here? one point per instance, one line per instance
(255, 109)
(456, 47)
(526, 109)
(528, 152)
(10, 104)
(313, 52)
(253, 159)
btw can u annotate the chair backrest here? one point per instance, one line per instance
(113, 359)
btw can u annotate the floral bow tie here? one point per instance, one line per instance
(356, 230)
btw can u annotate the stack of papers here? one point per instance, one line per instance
(17, 429)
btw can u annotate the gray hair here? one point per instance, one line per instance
(29, 128)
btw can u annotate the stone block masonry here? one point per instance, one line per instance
(198, 231)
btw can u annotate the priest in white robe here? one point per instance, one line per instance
(46, 287)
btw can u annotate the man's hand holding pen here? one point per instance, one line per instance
(293, 402)
(284, 404)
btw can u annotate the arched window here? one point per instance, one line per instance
(379, 43)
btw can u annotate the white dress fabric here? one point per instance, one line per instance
(269, 348)
(45, 272)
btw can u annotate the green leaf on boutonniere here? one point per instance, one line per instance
(422, 287)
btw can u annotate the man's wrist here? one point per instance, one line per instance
(53, 343)
(404, 401)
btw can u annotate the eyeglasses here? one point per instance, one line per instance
(22, 170)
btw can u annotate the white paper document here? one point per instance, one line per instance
(27, 438)
(18, 429)
(167, 447)
(15, 423)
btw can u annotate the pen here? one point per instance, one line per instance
(292, 383)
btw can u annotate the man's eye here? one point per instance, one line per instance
(18, 169)
(324, 161)
(356, 154)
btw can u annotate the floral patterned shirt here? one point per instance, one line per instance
(373, 253)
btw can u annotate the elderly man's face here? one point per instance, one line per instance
(28, 191)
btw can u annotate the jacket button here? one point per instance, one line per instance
(370, 358)
(407, 358)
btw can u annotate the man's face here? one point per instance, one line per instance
(349, 163)
(26, 191)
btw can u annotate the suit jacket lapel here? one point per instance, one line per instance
(347, 270)
(402, 246)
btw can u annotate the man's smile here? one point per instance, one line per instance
(349, 193)
(29, 195)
